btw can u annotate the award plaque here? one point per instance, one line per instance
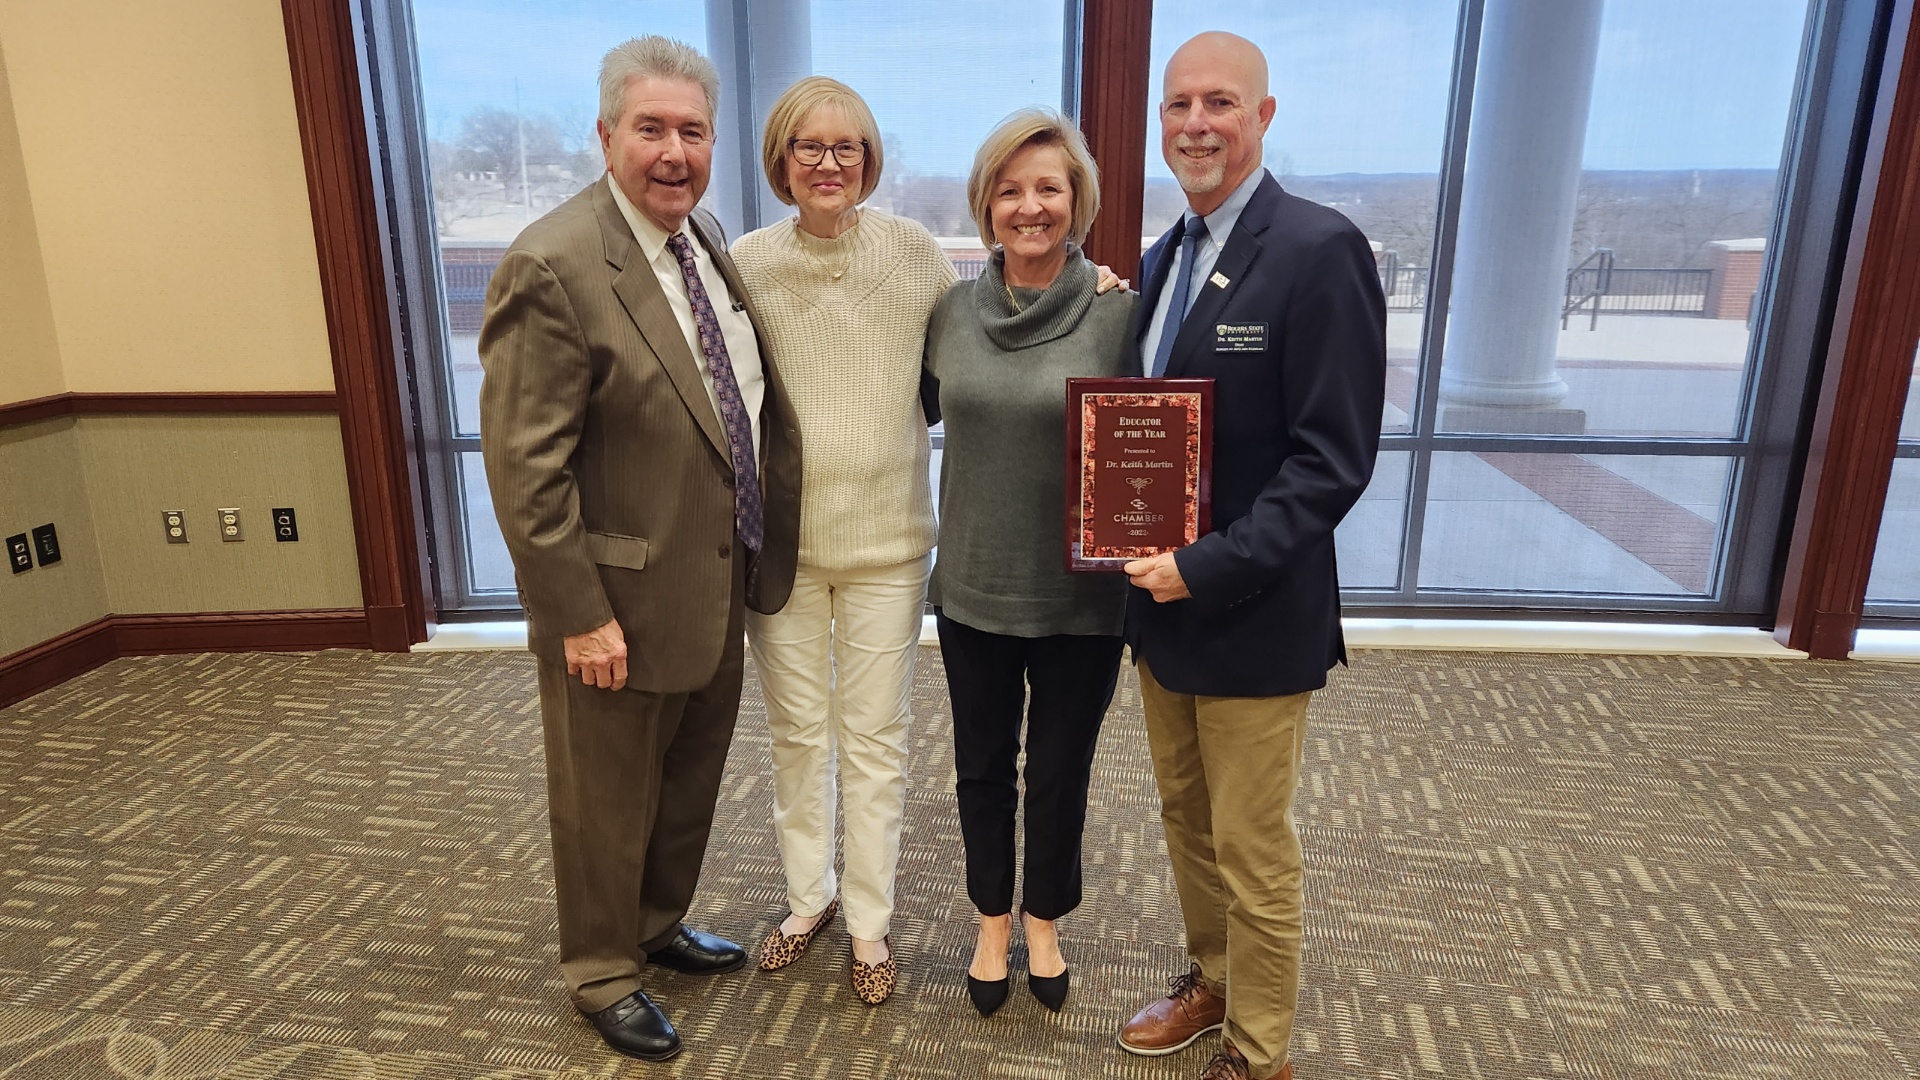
(1139, 452)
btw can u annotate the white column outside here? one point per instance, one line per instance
(1524, 156)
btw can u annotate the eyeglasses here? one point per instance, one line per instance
(808, 152)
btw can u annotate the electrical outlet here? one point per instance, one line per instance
(228, 518)
(286, 529)
(19, 554)
(46, 544)
(175, 522)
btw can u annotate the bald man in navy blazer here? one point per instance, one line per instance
(1277, 300)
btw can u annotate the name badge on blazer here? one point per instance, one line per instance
(1239, 337)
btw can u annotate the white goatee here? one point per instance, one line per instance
(1198, 177)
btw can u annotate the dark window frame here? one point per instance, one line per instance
(1902, 612)
(1819, 176)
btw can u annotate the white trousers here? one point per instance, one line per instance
(836, 665)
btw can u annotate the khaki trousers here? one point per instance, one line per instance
(837, 667)
(632, 779)
(1227, 770)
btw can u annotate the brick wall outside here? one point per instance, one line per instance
(1734, 276)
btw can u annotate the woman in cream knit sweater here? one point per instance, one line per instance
(843, 295)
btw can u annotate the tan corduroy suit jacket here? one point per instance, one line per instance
(608, 464)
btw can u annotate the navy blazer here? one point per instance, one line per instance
(1296, 429)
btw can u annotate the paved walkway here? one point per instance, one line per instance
(1608, 524)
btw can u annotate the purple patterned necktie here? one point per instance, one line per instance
(733, 411)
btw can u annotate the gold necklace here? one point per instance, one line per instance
(807, 240)
(1015, 304)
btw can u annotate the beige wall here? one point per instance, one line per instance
(29, 355)
(162, 156)
(137, 466)
(155, 236)
(103, 480)
(45, 481)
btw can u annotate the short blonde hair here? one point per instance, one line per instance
(796, 107)
(1035, 127)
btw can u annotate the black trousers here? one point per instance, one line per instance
(988, 675)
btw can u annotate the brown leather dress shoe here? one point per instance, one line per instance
(1171, 1024)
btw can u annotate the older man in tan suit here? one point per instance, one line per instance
(645, 466)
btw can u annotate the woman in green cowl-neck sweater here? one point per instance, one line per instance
(999, 352)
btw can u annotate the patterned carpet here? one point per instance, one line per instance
(335, 866)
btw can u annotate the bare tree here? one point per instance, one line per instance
(501, 161)
(1667, 219)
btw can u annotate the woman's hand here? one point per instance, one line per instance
(1109, 280)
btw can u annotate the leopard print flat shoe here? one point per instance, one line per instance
(874, 983)
(779, 949)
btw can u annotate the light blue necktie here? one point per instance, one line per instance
(1182, 298)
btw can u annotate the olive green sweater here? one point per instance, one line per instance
(998, 375)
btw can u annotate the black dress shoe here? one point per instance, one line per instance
(987, 996)
(1050, 989)
(636, 1027)
(695, 952)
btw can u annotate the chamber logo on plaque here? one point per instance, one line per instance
(1138, 476)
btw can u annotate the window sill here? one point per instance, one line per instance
(1455, 634)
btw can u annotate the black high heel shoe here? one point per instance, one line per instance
(987, 996)
(1051, 990)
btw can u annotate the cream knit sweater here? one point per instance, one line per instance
(849, 353)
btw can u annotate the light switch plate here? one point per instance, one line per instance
(46, 544)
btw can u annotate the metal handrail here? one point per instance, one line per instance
(1598, 268)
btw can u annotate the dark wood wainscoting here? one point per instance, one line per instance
(79, 650)
(84, 648)
(167, 402)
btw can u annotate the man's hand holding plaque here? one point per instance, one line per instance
(1138, 484)
(1160, 576)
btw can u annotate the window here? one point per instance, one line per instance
(1603, 229)
(1572, 207)
(1894, 586)
(908, 58)
(911, 60)
(509, 99)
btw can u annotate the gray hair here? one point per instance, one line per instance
(654, 57)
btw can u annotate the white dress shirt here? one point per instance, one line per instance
(743, 347)
(1206, 253)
